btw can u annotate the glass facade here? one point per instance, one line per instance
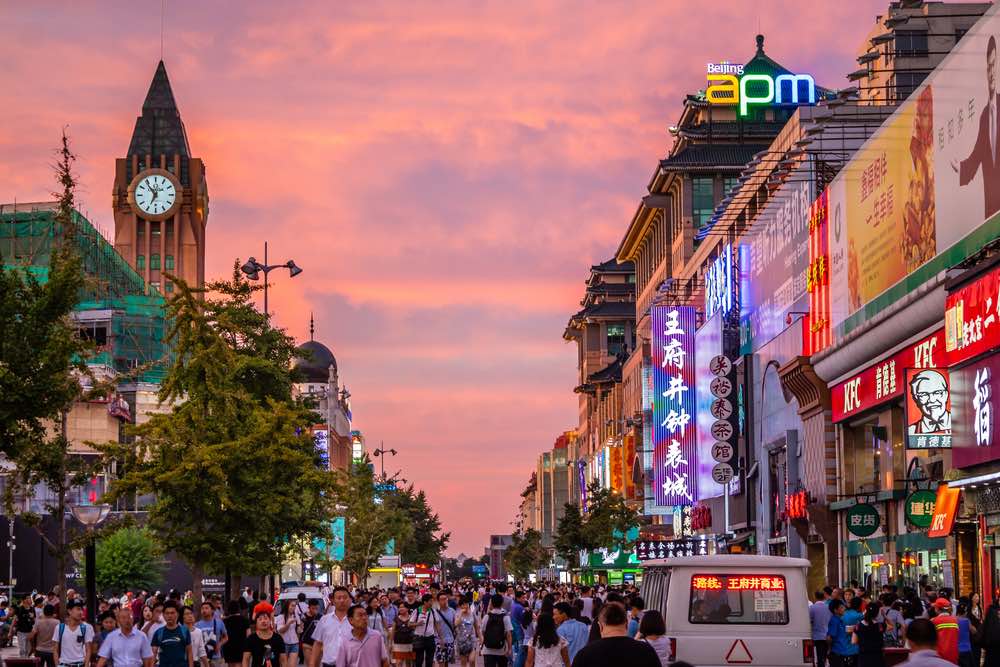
(702, 201)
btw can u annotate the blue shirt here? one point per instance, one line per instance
(212, 629)
(964, 637)
(126, 650)
(172, 646)
(445, 629)
(840, 643)
(390, 614)
(633, 627)
(852, 618)
(575, 633)
(819, 618)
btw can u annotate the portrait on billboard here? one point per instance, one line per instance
(985, 154)
(928, 408)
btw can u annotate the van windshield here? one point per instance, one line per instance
(734, 599)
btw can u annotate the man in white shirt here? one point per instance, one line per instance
(74, 639)
(331, 630)
(588, 603)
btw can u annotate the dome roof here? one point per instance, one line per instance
(313, 361)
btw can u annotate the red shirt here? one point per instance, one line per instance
(947, 636)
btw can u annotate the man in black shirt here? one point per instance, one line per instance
(615, 647)
(24, 621)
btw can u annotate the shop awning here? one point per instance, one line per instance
(989, 478)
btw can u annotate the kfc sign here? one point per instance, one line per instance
(886, 380)
(928, 409)
(972, 318)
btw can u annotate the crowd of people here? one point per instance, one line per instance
(533, 626)
(852, 628)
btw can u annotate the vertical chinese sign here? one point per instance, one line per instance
(675, 434)
(818, 275)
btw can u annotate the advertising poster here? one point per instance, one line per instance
(928, 408)
(675, 437)
(922, 187)
(773, 262)
(975, 429)
(972, 318)
(818, 274)
(707, 346)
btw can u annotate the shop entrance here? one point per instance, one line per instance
(923, 568)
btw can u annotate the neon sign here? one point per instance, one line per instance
(704, 582)
(728, 84)
(719, 283)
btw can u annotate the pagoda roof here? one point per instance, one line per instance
(715, 157)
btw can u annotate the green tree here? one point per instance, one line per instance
(525, 553)
(234, 445)
(425, 543)
(128, 558)
(370, 522)
(608, 520)
(569, 537)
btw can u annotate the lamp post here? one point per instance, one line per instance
(381, 452)
(90, 516)
(252, 268)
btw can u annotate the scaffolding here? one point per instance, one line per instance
(122, 316)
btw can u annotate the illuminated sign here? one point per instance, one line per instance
(737, 582)
(675, 436)
(719, 283)
(728, 84)
(972, 318)
(357, 446)
(818, 275)
(944, 511)
(928, 408)
(321, 440)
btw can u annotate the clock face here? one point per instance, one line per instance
(155, 194)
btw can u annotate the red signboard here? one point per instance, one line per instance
(972, 318)
(975, 424)
(944, 511)
(818, 275)
(737, 582)
(928, 409)
(886, 380)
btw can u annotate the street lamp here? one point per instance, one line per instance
(90, 516)
(381, 452)
(252, 268)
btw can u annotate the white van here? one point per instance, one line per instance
(732, 609)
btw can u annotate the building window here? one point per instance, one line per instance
(154, 262)
(140, 229)
(702, 201)
(154, 229)
(906, 83)
(169, 287)
(140, 263)
(168, 262)
(616, 339)
(728, 184)
(911, 43)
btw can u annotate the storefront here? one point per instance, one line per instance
(604, 566)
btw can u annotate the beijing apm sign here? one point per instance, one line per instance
(728, 84)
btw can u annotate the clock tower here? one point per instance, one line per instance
(160, 197)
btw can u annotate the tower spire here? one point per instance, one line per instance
(312, 328)
(159, 130)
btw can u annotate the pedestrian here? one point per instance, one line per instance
(869, 637)
(125, 647)
(529, 626)
(401, 638)
(467, 633)
(362, 647)
(615, 647)
(198, 648)
(309, 621)
(153, 621)
(214, 632)
(497, 634)
(24, 623)
(108, 624)
(547, 648)
(947, 630)
(922, 637)
(819, 621)
(966, 635)
(264, 647)
(42, 636)
(444, 623)
(990, 635)
(652, 630)
(840, 653)
(74, 639)
(286, 624)
(569, 628)
(331, 629)
(424, 631)
(172, 642)
(237, 626)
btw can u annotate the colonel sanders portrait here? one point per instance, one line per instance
(929, 389)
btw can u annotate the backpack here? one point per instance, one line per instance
(62, 628)
(495, 632)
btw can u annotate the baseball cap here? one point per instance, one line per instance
(942, 603)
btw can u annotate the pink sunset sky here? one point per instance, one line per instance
(445, 172)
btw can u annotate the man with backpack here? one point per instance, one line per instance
(497, 634)
(172, 643)
(74, 639)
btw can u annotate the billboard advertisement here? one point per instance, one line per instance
(774, 260)
(916, 195)
(972, 318)
(818, 274)
(975, 429)
(928, 408)
(675, 437)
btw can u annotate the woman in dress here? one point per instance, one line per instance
(401, 637)
(467, 632)
(547, 649)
